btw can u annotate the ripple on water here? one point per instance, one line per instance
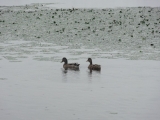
(3, 78)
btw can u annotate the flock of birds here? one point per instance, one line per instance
(75, 66)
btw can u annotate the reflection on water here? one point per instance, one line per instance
(90, 76)
(71, 75)
(64, 75)
(93, 75)
(77, 76)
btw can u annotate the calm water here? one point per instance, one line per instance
(33, 81)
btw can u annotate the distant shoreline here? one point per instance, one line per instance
(69, 4)
(54, 5)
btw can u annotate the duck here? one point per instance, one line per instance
(93, 66)
(67, 65)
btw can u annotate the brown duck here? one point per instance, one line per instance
(67, 65)
(93, 66)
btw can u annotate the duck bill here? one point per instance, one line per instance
(87, 61)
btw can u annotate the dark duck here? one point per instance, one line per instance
(93, 66)
(67, 65)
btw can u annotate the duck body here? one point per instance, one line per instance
(67, 65)
(93, 66)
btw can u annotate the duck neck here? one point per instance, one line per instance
(90, 62)
(65, 62)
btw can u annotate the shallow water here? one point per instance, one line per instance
(34, 85)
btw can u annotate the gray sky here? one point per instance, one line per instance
(88, 3)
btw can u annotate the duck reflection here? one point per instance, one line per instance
(64, 75)
(97, 71)
(92, 74)
(70, 74)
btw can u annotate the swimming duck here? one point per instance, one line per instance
(67, 65)
(93, 66)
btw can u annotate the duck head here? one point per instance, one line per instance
(64, 60)
(89, 60)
